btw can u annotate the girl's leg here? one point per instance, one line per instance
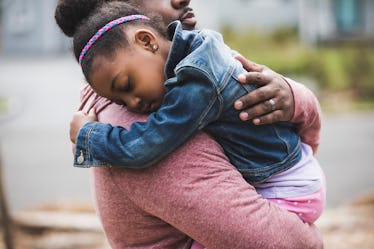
(309, 207)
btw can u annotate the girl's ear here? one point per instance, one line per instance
(146, 39)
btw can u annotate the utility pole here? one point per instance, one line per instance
(5, 217)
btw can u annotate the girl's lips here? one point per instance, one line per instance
(149, 108)
(153, 107)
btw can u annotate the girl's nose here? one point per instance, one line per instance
(133, 103)
(178, 4)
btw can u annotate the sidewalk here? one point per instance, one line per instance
(34, 139)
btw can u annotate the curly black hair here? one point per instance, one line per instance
(70, 13)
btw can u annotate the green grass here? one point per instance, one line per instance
(340, 68)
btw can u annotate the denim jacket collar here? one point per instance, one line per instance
(181, 41)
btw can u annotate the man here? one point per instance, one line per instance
(195, 192)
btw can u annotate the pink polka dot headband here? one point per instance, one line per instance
(105, 29)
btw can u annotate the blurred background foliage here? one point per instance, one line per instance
(343, 71)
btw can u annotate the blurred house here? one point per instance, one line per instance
(256, 15)
(318, 21)
(28, 27)
(331, 21)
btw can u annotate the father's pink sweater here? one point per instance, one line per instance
(195, 193)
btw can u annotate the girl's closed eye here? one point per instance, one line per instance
(121, 85)
(129, 85)
(126, 86)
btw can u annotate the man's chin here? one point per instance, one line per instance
(189, 24)
(188, 27)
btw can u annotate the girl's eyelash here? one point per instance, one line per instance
(129, 84)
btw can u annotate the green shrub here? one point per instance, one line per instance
(334, 68)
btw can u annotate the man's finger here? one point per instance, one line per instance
(248, 65)
(254, 78)
(257, 96)
(269, 118)
(261, 109)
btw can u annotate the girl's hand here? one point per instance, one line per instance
(271, 102)
(80, 118)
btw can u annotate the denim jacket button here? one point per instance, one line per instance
(80, 159)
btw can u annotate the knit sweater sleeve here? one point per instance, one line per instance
(307, 114)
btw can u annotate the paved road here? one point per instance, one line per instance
(37, 154)
(346, 155)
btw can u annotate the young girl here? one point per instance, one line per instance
(117, 44)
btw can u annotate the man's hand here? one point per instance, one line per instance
(271, 102)
(80, 118)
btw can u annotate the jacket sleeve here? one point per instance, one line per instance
(188, 106)
(307, 116)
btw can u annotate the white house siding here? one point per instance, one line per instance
(317, 22)
(28, 27)
(260, 15)
(369, 17)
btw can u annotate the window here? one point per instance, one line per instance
(347, 15)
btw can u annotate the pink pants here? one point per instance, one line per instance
(309, 207)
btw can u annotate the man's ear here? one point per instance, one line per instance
(146, 39)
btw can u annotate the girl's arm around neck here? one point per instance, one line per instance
(187, 108)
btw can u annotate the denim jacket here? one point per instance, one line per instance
(201, 88)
